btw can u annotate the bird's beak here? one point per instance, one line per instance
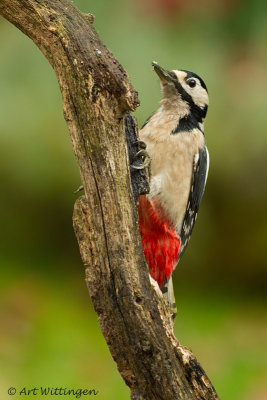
(164, 75)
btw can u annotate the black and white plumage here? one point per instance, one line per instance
(174, 136)
(199, 178)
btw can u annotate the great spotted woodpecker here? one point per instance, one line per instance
(174, 138)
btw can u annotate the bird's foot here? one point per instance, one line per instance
(141, 144)
(141, 155)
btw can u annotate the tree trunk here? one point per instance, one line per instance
(97, 94)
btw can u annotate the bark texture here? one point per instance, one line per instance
(97, 95)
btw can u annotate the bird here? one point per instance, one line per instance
(179, 164)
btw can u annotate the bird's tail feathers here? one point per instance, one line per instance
(168, 293)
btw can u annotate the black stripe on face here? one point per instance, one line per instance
(197, 114)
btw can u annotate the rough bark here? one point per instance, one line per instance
(97, 94)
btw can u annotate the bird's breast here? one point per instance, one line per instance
(171, 169)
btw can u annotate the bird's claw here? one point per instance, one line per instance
(141, 154)
(141, 144)
(146, 160)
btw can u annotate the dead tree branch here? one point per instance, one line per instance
(96, 95)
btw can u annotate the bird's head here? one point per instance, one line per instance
(183, 89)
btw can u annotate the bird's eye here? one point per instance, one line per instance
(191, 82)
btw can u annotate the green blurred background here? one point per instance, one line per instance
(49, 334)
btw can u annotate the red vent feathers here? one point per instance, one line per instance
(159, 239)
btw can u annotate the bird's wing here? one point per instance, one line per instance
(199, 178)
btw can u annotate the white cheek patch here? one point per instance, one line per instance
(198, 94)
